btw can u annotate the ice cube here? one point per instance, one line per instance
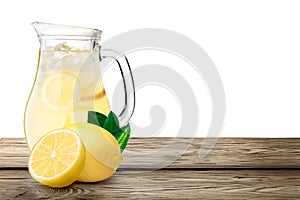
(62, 47)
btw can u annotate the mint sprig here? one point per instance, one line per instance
(111, 124)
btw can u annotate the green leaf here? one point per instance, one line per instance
(111, 123)
(96, 118)
(122, 136)
(125, 129)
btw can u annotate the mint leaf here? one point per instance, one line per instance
(111, 123)
(96, 118)
(122, 136)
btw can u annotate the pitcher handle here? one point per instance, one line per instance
(128, 83)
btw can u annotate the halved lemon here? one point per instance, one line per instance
(60, 91)
(57, 159)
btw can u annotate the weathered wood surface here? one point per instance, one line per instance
(237, 168)
(228, 153)
(167, 184)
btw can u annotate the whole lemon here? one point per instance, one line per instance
(103, 154)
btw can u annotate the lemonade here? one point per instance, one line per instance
(67, 85)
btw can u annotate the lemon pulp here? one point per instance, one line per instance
(57, 159)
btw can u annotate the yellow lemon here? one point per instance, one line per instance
(57, 159)
(102, 152)
(60, 91)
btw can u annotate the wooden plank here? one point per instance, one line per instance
(163, 184)
(227, 153)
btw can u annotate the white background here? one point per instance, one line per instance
(254, 44)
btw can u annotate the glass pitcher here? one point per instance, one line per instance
(68, 80)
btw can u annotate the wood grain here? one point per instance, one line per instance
(163, 184)
(236, 168)
(228, 153)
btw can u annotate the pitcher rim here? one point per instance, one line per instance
(59, 30)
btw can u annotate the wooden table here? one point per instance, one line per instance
(237, 168)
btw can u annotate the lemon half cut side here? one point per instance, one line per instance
(57, 159)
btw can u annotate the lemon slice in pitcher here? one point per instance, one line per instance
(60, 91)
(57, 159)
